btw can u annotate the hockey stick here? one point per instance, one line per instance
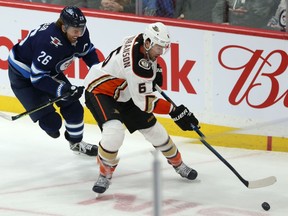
(249, 184)
(50, 102)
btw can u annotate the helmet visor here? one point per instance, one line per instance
(78, 31)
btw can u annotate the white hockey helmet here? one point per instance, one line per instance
(158, 34)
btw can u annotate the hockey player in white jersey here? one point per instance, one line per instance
(120, 90)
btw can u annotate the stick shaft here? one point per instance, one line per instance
(252, 184)
(50, 102)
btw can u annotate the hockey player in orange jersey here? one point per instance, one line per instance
(120, 94)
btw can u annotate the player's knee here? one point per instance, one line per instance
(51, 123)
(157, 135)
(113, 134)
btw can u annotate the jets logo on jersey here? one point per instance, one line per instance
(145, 64)
(55, 41)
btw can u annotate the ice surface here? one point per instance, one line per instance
(42, 176)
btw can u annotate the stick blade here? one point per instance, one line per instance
(5, 116)
(262, 182)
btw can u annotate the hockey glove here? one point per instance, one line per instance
(75, 91)
(158, 78)
(183, 118)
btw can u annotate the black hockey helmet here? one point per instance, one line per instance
(73, 16)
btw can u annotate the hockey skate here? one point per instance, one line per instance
(84, 148)
(186, 172)
(101, 185)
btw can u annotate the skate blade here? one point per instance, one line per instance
(80, 154)
(99, 195)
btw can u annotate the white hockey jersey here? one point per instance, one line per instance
(127, 74)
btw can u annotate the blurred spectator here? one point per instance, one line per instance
(199, 10)
(39, 1)
(78, 3)
(127, 6)
(165, 8)
(250, 13)
(149, 7)
(279, 20)
(160, 8)
(93, 4)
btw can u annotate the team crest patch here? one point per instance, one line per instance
(145, 64)
(55, 41)
(155, 28)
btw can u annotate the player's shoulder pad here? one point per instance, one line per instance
(141, 67)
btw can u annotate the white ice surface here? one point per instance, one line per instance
(41, 176)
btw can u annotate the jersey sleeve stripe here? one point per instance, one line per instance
(162, 107)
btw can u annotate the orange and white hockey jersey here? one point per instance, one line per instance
(127, 74)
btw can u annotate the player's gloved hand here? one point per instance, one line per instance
(158, 78)
(75, 92)
(184, 118)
